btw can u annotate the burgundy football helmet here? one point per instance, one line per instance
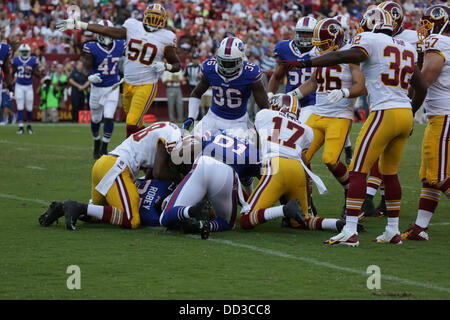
(396, 12)
(285, 104)
(375, 20)
(435, 19)
(328, 35)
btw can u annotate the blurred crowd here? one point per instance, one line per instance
(199, 24)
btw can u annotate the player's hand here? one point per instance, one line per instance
(294, 64)
(95, 78)
(158, 66)
(275, 101)
(334, 96)
(70, 24)
(188, 123)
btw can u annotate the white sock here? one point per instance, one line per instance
(273, 213)
(351, 224)
(382, 191)
(423, 218)
(186, 212)
(371, 191)
(392, 224)
(329, 224)
(95, 211)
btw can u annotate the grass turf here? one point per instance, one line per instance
(266, 263)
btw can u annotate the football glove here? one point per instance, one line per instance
(95, 78)
(334, 96)
(70, 24)
(295, 64)
(158, 66)
(188, 123)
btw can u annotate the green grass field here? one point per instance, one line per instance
(268, 262)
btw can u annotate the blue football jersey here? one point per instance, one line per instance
(106, 62)
(5, 51)
(24, 69)
(152, 192)
(286, 50)
(230, 95)
(234, 151)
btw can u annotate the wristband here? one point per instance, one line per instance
(193, 107)
(83, 25)
(296, 93)
(168, 66)
(346, 92)
(269, 95)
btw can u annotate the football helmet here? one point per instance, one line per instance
(24, 51)
(435, 19)
(396, 12)
(155, 17)
(286, 104)
(104, 40)
(375, 20)
(230, 57)
(303, 33)
(328, 35)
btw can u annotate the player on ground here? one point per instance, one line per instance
(232, 80)
(375, 179)
(24, 67)
(114, 195)
(389, 67)
(5, 66)
(337, 88)
(299, 48)
(101, 59)
(148, 43)
(435, 167)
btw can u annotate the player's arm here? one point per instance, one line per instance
(433, 63)
(112, 32)
(194, 101)
(358, 87)
(275, 80)
(161, 169)
(420, 87)
(260, 95)
(307, 87)
(173, 62)
(352, 55)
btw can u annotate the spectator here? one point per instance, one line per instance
(192, 72)
(173, 81)
(8, 109)
(79, 82)
(54, 46)
(49, 101)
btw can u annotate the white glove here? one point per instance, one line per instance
(334, 96)
(158, 66)
(95, 78)
(275, 101)
(70, 24)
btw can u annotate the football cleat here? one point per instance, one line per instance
(29, 130)
(292, 210)
(97, 144)
(194, 226)
(52, 214)
(72, 211)
(20, 131)
(104, 148)
(416, 233)
(348, 155)
(344, 238)
(200, 211)
(388, 236)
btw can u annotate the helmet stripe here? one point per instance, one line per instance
(305, 22)
(228, 47)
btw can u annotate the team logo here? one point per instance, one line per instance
(396, 14)
(437, 13)
(333, 29)
(240, 46)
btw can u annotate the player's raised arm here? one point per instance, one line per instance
(275, 79)
(112, 32)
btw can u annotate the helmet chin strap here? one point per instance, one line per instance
(443, 27)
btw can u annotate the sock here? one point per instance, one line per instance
(96, 211)
(316, 223)
(445, 188)
(351, 224)
(95, 128)
(20, 117)
(429, 199)
(374, 180)
(219, 224)
(111, 215)
(341, 174)
(329, 224)
(382, 192)
(171, 216)
(108, 128)
(273, 213)
(29, 116)
(393, 199)
(253, 218)
(392, 224)
(356, 194)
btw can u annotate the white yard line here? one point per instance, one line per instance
(44, 145)
(35, 168)
(13, 197)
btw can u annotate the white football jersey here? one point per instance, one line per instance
(411, 37)
(139, 149)
(281, 136)
(388, 69)
(437, 101)
(142, 49)
(331, 78)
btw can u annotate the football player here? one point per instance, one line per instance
(435, 167)
(114, 195)
(284, 142)
(336, 88)
(101, 59)
(300, 47)
(148, 43)
(389, 66)
(24, 67)
(5, 66)
(374, 181)
(232, 79)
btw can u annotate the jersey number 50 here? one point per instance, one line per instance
(144, 53)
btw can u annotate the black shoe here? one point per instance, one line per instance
(72, 211)
(348, 155)
(368, 208)
(29, 130)
(97, 145)
(199, 211)
(104, 148)
(20, 131)
(194, 226)
(53, 213)
(292, 210)
(341, 223)
(381, 210)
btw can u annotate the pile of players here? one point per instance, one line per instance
(398, 69)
